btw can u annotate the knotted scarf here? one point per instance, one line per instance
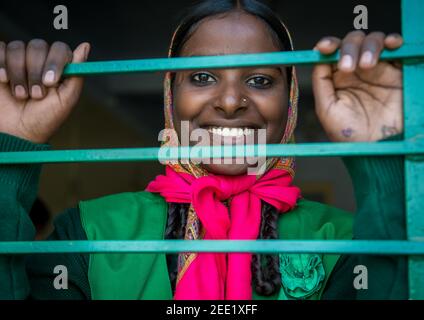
(210, 276)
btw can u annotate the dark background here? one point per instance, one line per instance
(126, 111)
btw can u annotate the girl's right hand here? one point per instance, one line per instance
(34, 101)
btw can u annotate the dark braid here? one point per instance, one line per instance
(266, 276)
(175, 229)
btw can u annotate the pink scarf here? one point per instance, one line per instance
(209, 275)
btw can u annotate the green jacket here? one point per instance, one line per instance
(142, 215)
(378, 183)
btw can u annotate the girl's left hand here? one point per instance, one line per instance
(360, 98)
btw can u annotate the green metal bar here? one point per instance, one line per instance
(413, 79)
(408, 52)
(374, 247)
(412, 147)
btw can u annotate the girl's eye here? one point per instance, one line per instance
(202, 79)
(259, 82)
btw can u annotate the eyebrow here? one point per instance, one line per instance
(225, 54)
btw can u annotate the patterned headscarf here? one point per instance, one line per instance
(193, 229)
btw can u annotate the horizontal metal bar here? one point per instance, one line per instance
(374, 247)
(407, 51)
(384, 148)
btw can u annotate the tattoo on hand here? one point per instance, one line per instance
(347, 133)
(388, 131)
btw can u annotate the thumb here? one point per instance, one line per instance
(323, 87)
(70, 89)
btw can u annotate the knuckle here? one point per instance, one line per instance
(38, 44)
(16, 45)
(350, 47)
(356, 35)
(61, 46)
(2, 45)
(61, 52)
(373, 45)
(377, 34)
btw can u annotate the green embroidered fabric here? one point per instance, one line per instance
(302, 275)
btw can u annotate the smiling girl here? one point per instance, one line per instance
(359, 99)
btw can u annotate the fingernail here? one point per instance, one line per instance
(3, 75)
(36, 92)
(366, 58)
(20, 91)
(49, 77)
(346, 62)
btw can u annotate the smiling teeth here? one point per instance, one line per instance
(231, 132)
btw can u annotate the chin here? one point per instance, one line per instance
(226, 169)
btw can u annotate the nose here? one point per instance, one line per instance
(231, 100)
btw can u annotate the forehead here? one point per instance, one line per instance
(232, 33)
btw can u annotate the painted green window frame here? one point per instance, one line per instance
(412, 147)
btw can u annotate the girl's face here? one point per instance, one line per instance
(243, 98)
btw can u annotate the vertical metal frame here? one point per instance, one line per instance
(413, 80)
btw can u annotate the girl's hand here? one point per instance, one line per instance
(34, 102)
(360, 98)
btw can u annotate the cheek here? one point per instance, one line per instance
(273, 108)
(187, 103)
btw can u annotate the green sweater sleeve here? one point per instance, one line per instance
(379, 191)
(40, 267)
(32, 276)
